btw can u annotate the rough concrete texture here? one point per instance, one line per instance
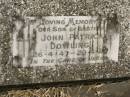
(12, 10)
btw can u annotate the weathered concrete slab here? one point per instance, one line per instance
(25, 48)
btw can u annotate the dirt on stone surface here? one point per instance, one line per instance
(119, 89)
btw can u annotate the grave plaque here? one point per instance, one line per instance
(53, 48)
(61, 40)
